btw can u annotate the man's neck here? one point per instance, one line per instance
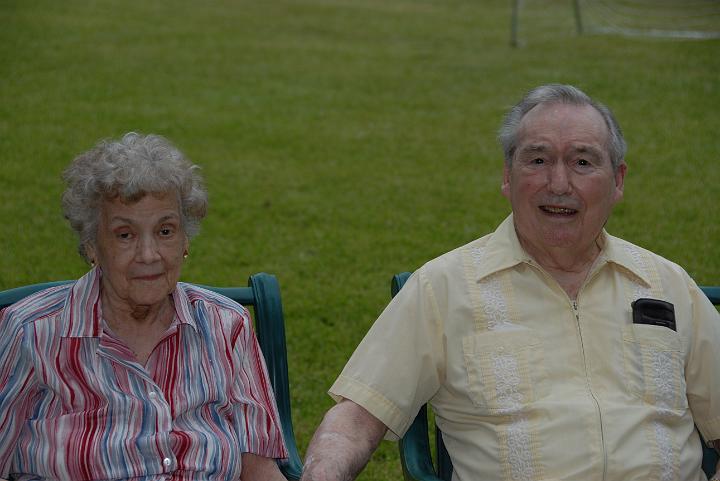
(569, 266)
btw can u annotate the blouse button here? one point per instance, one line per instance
(166, 462)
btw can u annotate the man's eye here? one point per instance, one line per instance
(538, 161)
(583, 162)
(166, 231)
(124, 235)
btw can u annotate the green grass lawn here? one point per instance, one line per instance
(342, 141)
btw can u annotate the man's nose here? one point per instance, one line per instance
(559, 179)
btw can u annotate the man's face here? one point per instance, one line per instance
(561, 183)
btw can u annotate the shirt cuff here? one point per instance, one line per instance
(710, 430)
(374, 403)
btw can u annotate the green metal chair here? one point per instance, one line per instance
(415, 453)
(263, 294)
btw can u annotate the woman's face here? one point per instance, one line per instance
(140, 247)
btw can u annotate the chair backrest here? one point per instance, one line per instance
(415, 454)
(263, 295)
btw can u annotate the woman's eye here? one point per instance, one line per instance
(583, 162)
(538, 161)
(124, 235)
(166, 231)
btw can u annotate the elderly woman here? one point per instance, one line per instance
(127, 373)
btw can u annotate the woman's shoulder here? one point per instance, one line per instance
(214, 314)
(205, 299)
(44, 304)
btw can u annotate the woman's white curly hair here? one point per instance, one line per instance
(130, 168)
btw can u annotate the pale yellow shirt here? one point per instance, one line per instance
(529, 385)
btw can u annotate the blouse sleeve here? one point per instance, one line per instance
(16, 386)
(255, 414)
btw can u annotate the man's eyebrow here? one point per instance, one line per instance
(588, 149)
(534, 148)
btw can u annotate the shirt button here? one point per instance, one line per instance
(153, 395)
(166, 462)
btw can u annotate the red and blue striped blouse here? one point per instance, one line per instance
(76, 405)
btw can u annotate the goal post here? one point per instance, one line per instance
(650, 18)
(693, 19)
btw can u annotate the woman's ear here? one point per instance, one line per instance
(90, 253)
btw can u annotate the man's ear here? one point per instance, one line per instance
(620, 180)
(505, 186)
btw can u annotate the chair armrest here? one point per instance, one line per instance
(11, 296)
(712, 293)
(270, 328)
(415, 453)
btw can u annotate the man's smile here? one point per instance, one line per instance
(555, 210)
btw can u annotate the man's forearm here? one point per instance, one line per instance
(343, 444)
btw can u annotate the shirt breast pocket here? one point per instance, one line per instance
(505, 370)
(654, 366)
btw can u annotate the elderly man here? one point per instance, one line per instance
(548, 349)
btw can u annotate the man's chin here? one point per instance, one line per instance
(561, 238)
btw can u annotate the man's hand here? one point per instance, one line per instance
(343, 444)
(259, 468)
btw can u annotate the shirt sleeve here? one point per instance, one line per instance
(702, 373)
(255, 413)
(16, 387)
(399, 364)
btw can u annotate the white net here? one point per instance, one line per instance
(658, 18)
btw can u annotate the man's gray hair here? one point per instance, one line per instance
(565, 94)
(130, 168)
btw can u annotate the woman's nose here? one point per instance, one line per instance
(147, 250)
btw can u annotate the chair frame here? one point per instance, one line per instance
(415, 453)
(263, 294)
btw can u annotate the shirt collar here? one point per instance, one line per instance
(618, 252)
(503, 251)
(83, 310)
(82, 313)
(183, 308)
